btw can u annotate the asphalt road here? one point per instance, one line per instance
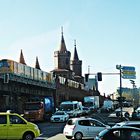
(54, 131)
(50, 130)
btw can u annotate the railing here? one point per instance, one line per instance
(25, 80)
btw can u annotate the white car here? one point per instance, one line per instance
(59, 116)
(83, 127)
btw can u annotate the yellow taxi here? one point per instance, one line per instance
(14, 126)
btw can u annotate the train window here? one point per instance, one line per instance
(1, 64)
(4, 64)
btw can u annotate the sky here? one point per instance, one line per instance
(107, 33)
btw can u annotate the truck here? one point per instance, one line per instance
(108, 105)
(39, 110)
(92, 102)
(73, 108)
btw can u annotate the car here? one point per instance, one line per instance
(59, 116)
(119, 133)
(136, 114)
(14, 126)
(86, 111)
(128, 123)
(119, 111)
(83, 127)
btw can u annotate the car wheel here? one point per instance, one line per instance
(78, 136)
(28, 136)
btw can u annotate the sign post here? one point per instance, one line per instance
(126, 72)
(119, 67)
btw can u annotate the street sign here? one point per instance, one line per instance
(128, 77)
(128, 72)
(128, 68)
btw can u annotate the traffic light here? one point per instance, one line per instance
(99, 76)
(86, 77)
(6, 78)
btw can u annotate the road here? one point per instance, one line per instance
(50, 129)
(54, 131)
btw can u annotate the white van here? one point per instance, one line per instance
(73, 108)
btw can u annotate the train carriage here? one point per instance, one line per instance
(27, 71)
(10, 66)
(6, 66)
(21, 69)
(40, 75)
(35, 74)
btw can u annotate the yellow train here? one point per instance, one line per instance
(19, 69)
(10, 66)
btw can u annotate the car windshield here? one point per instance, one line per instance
(66, 107)
(59, 113)
(33, 106)
(88, 104)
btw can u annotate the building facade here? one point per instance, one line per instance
(65, 66)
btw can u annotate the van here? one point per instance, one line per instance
(13, 126)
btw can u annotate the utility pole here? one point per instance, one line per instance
(121, 92)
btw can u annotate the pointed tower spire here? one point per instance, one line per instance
(62, 45)
(21, 59)
(37, 66)
(75, 52)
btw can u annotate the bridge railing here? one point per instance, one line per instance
(25, 80)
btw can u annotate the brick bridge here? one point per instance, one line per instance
(17, 90)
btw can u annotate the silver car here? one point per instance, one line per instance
(59, 116)
(83, 127)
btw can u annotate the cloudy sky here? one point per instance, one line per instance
(107, 33)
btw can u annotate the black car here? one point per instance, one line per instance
(119, 133)
(128, 123)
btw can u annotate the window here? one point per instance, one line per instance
(67, 61)
(135, 135)
(84, 122)
(16, 120)
(96, 123)
(3, 119)
(129, 134)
